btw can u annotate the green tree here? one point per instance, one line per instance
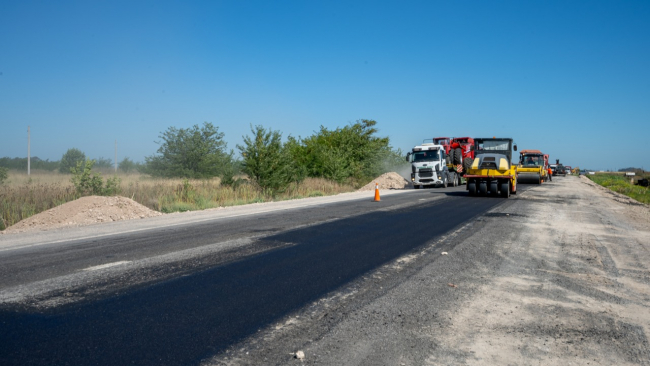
(104, 163)
(352, 152)
(70, 160)
(196, 152)
(126, 165)
(267, 161)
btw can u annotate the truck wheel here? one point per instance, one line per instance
(444, 181)
(505, 189)
(460, 180)
(471, 187)
(458, 156)
(482, 188)
(467, 163)
(494, 188)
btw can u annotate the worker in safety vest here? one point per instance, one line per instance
(550, 175)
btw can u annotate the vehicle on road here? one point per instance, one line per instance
(491, 171)
(429, 167)
(461, 155)
(533, 167)
(445, 142)
(558, 169)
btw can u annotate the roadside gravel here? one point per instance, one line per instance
(557, 275)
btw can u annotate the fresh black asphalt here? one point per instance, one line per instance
(184, 320)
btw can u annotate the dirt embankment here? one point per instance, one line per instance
(84, 211)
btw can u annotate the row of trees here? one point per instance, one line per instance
(352, 154)
(35, 163)
(68, 161)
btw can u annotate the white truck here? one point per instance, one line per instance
(429, 167)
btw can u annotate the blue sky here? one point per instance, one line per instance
(571, 78)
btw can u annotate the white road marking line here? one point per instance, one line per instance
(107, 265)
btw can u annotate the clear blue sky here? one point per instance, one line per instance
(571, 78)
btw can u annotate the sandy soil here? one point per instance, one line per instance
(84, 211)
(389, 180)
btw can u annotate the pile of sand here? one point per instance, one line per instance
(84, 211)
(389, 180)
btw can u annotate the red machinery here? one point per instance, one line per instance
(444, 141)
(460, 152)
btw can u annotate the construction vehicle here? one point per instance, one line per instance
(491, 171)
(558, 169)
(429, 167)
(461, 153)
(445, 142)
(532, 167)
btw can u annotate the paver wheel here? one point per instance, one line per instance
(471, 187)
(494, 188)
(482, 188)
(505, 189)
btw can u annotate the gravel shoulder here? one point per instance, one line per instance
(558, 274)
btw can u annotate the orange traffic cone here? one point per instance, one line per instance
(377, 199)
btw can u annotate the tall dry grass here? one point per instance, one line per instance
(22, 196)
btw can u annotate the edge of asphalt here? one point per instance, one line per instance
(13, 241)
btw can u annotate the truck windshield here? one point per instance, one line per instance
(531, 161)
(431, 155)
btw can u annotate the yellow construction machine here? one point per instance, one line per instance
(533, 167)
(491, 171)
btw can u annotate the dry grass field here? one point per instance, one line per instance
(23, 196)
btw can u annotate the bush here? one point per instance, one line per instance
(4, 174)
(86, 183)
(70, 160)
(267, 161)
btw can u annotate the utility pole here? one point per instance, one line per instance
(115, 156)
(28, 156)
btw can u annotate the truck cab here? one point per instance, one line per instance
(428, 166)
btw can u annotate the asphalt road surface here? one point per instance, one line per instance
(557, 274)
(186, 313)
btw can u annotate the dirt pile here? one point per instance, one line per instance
(389, 180)
(84, 211)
